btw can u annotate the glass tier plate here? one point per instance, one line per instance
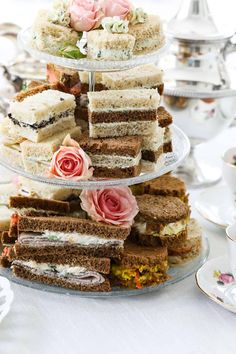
(87, 64)
(181, 148)
(176, 274)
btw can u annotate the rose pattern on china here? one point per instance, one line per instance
(85, 15)
(120, 8)
(71, 162)
(223, 278)
(116, 206)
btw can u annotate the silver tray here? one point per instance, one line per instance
(176, 274)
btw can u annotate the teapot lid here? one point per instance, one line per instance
(194, 22)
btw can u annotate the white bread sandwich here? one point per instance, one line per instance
(42, 115)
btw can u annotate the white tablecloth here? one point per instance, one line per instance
(178, 319)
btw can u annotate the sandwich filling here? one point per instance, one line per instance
(44, 123)
(114, 161)
(74, 274)
(47, 237)
(103, 130)
(139, 276)
(173, 228)
(113, 54)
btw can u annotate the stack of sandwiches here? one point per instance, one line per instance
(36, 126)
(49, 239)
(164, 219)
(124, 95)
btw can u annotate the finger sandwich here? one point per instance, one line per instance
(161, 220)
(42, 115)
(103, 45)
(149, 35)
(144, 76)
(37, 156)
(123, 112)
(67, 235)
(72, 272)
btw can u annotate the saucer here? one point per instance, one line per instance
(216, 281)
(216, 206)
(6, 297)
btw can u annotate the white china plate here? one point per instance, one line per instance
(215, 280)
(88, 64)
(176, 274)
(6, 297)
(216, 206)
(181, 148)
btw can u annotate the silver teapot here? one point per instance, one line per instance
(200, 82)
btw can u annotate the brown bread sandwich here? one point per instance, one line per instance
(140, 267)
(161, 220)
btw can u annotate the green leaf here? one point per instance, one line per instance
(72, 52)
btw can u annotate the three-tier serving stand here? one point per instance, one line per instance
(181, 148)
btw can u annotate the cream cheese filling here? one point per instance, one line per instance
(114, 54)
(73, 238)
(115, 161)
(101, 130)
(122, 109)
(169, 229)
(75, 274)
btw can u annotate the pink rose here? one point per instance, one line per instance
(115, 205)
(71, 162)
(119, 8)
(84, 14)
(226, 278)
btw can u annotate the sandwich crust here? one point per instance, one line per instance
(124, 146)
(164, 117)
(135, 254)
(20, 202)
(69, 224)
(161, 209)
(166, 185)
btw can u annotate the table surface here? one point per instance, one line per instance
(177, 319)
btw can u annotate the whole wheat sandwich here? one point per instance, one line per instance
(103, 45)
(165, 121)
(167, 185)
(149, 36)
(42, 115)
(114, 157)
(161, 220)
(147, 76)
(123, 112)
(36, 206)
(115, 113)
(51, 37)
(188, 249)
(73, 272)
(140, 267)
(67, 235)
